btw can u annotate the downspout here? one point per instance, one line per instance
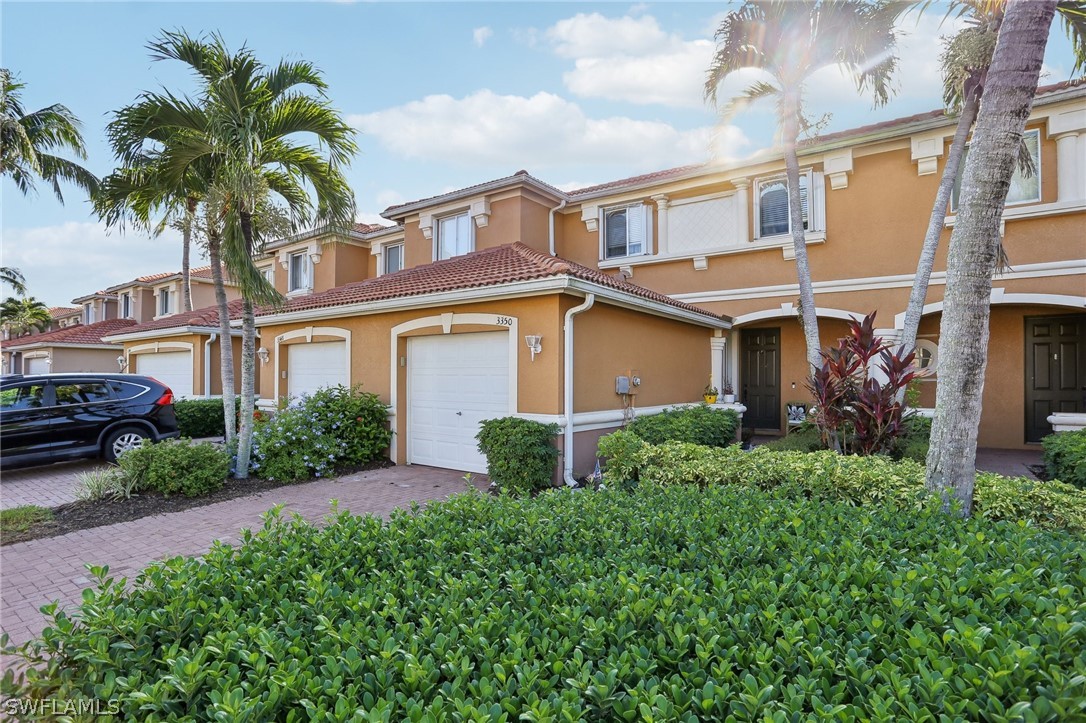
(207, 363)
(567, 445)
(555, 210)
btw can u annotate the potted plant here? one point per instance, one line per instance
(729, 392)
(709, 393)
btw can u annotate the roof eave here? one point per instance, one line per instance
(167, 331)
(393, 213)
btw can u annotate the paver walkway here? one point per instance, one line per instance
(36, 572)
(46, 486)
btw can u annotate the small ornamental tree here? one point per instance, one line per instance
(856, 411)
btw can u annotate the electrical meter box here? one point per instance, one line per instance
(622, 385)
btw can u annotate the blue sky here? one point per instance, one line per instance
(444, 95)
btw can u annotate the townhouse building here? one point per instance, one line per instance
(589, 306)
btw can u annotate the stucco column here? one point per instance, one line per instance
(742, 210)
(661, 221)
(1070, 176)
(717, 346)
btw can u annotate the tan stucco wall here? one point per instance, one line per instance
(84, 360)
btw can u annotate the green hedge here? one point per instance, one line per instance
(829, 476)
(1065, 457)
(173, 466)
(658, 604)
(520, 453)
(700, 424)
(200, 417)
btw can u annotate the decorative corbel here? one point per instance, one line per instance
(426, 225)
(315, 250)
(837, 166)
(591, 217)
(480, 212)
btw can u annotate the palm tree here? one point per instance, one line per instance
(790, 41)
(966, 59)
(245, 123)
(28, 142)
(963, 336)
(24, 314)
(14, 278)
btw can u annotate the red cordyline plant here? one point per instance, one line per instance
(857, 412)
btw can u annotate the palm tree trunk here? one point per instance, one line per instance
(186, 249)
(808, 314)
(226, 342)
(248, 388)
(963, 342)
(915, 309)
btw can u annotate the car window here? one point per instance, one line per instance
(82, 393)
(26, 396)
(126, 390)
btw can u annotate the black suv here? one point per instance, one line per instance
(54, 417)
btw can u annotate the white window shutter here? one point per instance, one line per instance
(635, 230)
(817, 203)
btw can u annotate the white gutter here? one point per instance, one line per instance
(555, 210)
(567, 445)
(207, 363)
(163, 332)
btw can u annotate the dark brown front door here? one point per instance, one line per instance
(1055, 370)
(760, 367)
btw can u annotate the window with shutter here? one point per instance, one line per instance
(773, 213)
(299, 272)
(625, 232)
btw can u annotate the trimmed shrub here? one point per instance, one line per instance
(314, 436)
(520, 453)
(200, 417)
(805, 439)
(700, 424)
(176, 466)
(1065, 457)
(830, 476)
(659, 603)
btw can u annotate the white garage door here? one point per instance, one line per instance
(172, 368)
(316, 365)
(36, 365)
(454, 382)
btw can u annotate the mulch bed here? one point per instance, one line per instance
(76, 516)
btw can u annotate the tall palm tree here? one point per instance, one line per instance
(790, 41)
(251, 123)
(966, 59)
(963, 336)
(29, 141)
(14, 278)
(21, 315)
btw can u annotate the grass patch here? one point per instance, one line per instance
(20, 519)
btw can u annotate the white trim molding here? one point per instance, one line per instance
(308, 333)
(445, 322)
(999, 296)
(790, 310)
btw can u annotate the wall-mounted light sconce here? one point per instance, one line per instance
(532, 340)
(263, 354)
(122, 363)
(49, 362)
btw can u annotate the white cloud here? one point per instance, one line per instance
(72, 259)
(540, 131)
(630, 59)
(479, 36)
(389, 197)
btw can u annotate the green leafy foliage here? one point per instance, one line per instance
(200, 417)
(829, 476)
(520, 453)
(700, 424)
(105, 483)
(335, 428)
(19, 519)
(655, 604)
(911, 444)
(1065, 457)
(176, 466)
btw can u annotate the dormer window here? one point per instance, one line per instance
(393, 258)
(299, 271)
(126, 306)
(625, 231)
(1024, 188)
(88, 313)
(165, 302)
(454, 237)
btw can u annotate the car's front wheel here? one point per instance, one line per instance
(121, 440)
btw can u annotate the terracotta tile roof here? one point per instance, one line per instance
(59, 312)
(637, 180)
(371, 227)
(519, 176)
(80, 333)
(208, 316)
(501, 265)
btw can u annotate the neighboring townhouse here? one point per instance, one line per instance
(99, 306)
(61, 318)
(74, 348)
(158, 296)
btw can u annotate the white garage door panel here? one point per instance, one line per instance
(315, 365)
(172, 368)
(37, 365)
(454, 382)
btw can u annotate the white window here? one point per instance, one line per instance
(269, 274)
(126, 306)
(927, 355)
(88, 313)
(625, 231)
(393, 258)
(299, 272)
(771, 205)
(164, 303)
(454, 236)
(1023, 189)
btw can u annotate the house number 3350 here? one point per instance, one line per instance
(505, 321)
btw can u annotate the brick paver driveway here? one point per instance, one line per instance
(39, 571)
(46, 486)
